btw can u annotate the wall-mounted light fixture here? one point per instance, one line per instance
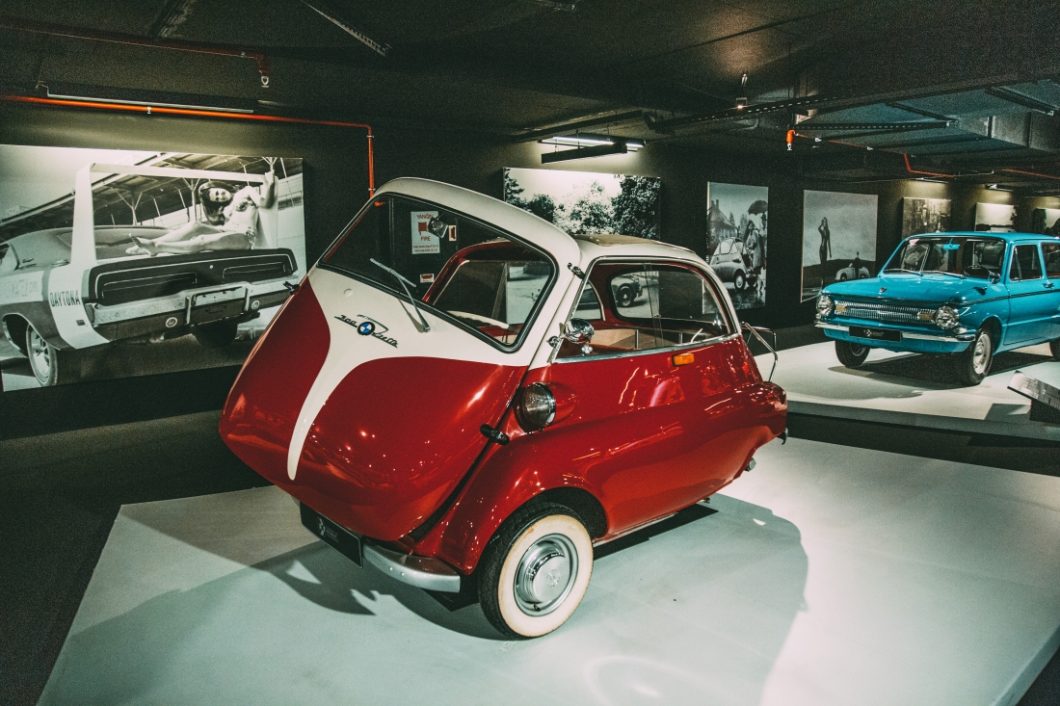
(588, 145)
(741, 100)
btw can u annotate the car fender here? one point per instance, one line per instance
(507, 478)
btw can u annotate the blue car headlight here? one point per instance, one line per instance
(825, 306)
(946, 317)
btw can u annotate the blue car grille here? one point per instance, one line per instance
(887, 313)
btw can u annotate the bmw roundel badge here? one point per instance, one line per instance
(365, 328)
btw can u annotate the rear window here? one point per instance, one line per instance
(482, 278)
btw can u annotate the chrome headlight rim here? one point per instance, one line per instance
(946, 317)
(825, 305)
(536, 408)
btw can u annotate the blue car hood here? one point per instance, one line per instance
(913, 288)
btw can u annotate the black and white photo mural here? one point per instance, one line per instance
(1045, 220)
(838, 238)
(995, 217)
(737, 226)
(924, 216)
(116, 263)
(584, 203)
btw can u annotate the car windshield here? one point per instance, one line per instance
(481, 278)
(967, 257)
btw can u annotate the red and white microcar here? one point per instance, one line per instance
(458, 395)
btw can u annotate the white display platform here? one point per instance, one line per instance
(828, 575)
(915, 390)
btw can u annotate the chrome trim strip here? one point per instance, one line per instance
(648, 351)
(958, 338)
(421, 572)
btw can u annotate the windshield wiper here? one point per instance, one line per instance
(402, 280)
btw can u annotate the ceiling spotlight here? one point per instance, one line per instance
(741, 100)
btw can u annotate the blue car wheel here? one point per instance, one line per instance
(851, 355)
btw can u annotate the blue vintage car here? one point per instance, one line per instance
(971, 295)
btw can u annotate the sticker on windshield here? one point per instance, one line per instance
(424, 242)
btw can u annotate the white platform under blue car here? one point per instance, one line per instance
(828, 575)
(916, 390)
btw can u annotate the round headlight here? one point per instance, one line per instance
(824, 305)
(536, 408)
(946, 317)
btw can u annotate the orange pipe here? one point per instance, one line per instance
(1024, 172)
(203, 113)
(921, 172)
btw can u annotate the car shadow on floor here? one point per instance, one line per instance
(935, 372)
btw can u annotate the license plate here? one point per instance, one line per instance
(215, 306)
(334, 534)
(875, 333)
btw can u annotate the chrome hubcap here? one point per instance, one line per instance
(981, 354)
(39, 354)
(546, 574)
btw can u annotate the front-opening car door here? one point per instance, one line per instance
(367, 397)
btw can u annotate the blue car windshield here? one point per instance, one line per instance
(966, 257)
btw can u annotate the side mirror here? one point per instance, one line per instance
(578, 332)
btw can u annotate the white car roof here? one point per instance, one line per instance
(609, 245)
(581, 249)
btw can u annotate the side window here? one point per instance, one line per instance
(1025, 263)
(588, 304)
(8, 260)
(649, 307)
(1051, 251)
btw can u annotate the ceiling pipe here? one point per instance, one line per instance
(259, 58)
(534, 135)
(203, 113)
(1025, 172)
(921, 172)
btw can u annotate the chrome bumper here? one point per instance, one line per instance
(421, 572)
(960, 336)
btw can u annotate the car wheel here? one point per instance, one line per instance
(535, 570)
(625, 295)
(50, 365)
(216, 335)
(842, 276)
(1054, 348)
(852, 355)
(739, 281)
(973, 363)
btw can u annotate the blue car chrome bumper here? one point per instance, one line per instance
(896, 338)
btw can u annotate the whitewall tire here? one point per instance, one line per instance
(535, 570)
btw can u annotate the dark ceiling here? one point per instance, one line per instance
(956, 90)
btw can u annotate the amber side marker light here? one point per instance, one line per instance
(684, 358)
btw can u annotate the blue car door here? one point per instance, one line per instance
(1033, 298)
(1051, 257)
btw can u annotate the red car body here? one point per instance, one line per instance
(399, 418)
